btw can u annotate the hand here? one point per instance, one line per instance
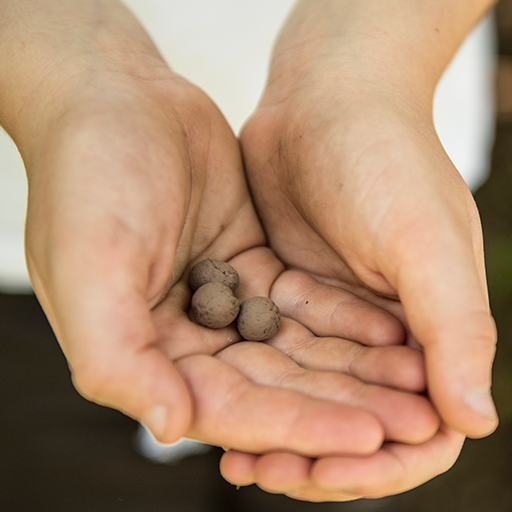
(354, 188)
(135, 181)
(133, 176)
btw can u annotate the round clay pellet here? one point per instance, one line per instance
(259, 319)
(214, 305)
(213, 271)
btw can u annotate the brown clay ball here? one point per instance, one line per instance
(259, 319)
(214, 305)
(213, 271)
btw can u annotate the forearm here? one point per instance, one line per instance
(50, 49)
(404, 44)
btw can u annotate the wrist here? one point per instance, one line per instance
(61, 53)
(400, 47)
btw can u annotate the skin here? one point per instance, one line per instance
(354, 188)
(134, 176)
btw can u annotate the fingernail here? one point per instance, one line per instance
(481, 402)
(155, 420)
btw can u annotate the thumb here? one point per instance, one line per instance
(104, 326)
(442, 288)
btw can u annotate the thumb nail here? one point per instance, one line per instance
(155, 420)
(481, 402)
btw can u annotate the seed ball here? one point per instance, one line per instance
(214, 305)
(259, 319)
(213, 271)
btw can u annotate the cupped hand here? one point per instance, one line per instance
(355, 190)
(353, 187)
(370, 204)
(132, 182)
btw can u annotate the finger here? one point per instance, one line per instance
(331, 311)
(289, 474)
(234, 412)
(399, 367)
(237, 467)
(277, 473)
(103, 323)
(258, 268)
(448, 312)
(273, 472)
(405, 417)
(114, 361)
(393, 469)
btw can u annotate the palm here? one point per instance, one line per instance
(337, 197)
(133, 183)
(350, 194)
(247, 380)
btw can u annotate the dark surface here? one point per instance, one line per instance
(59, 452)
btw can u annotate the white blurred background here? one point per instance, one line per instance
(224, 47)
